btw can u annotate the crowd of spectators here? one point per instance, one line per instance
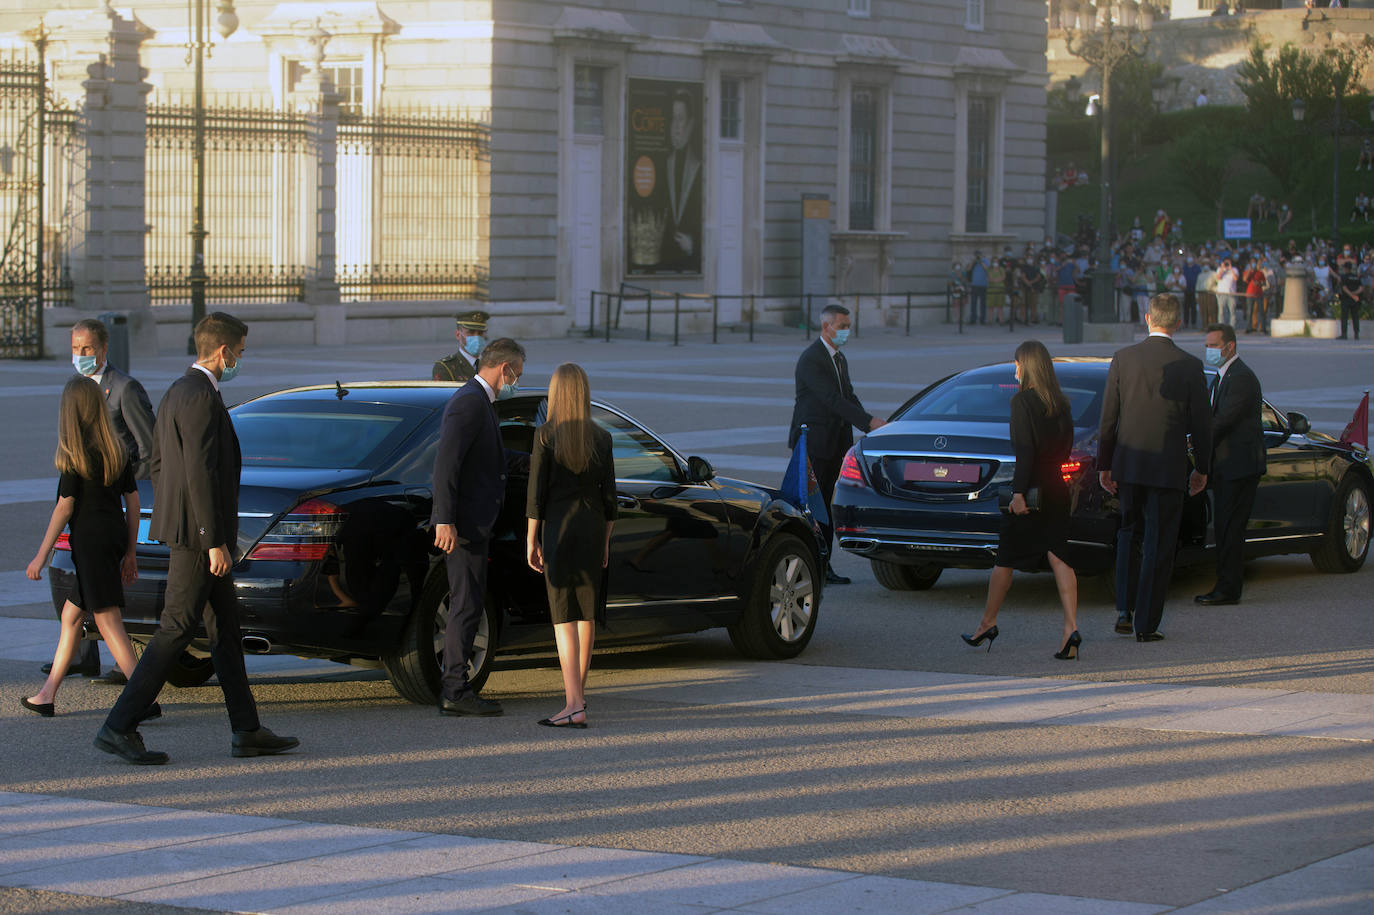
(1233, 282)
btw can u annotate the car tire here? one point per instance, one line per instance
(782, 603)
(1345, 544)
(416, 667)
(188, 672)
(898, 577)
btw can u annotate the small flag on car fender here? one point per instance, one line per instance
(799, 485)
(1357, 432)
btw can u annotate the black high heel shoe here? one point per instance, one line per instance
(1070, 650)
(988, 635)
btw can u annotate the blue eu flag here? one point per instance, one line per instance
(799, 484)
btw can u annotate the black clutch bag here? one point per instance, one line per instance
(1004, 495)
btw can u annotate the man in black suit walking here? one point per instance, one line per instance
(1238, 459)
(1155, 399)
(469, 488)
(132, 415)
(827, 406)
(195, 469)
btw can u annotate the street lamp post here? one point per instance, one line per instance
(1105, 40)
(226, 23)
(1338, 126)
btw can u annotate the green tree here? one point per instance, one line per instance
(1133, 103)
(1202, 161)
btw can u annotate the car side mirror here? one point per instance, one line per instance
(699, 470)
(1298, 424)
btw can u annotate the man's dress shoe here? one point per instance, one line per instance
(835, 578)
(85, 670)
(1123, 624)
(470, 705)
(114, 678)
(1215, 598)
(1149, 636)
(128, 747)
(261, 742)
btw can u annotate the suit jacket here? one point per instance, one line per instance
(453, 367)
(471, 464)
(195, 468)
(1156, 397)
(1237, 425)
(828, 408)
(132, 414)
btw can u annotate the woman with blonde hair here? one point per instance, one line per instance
(571, 509)
(1041, 438)
(96, 473)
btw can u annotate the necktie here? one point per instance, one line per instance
(842, 366)
(1216, 388)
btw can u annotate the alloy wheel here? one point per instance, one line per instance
(791, 597)
(1356, 522)
(480, 643)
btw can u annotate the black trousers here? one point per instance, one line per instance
(827, 470)
(467, 583)
(1145, 547)
(1231, 504)
(1350, 311)
(192, 594)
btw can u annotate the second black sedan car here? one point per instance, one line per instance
(336, 556)
(920, 494)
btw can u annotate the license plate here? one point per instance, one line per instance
(934, 472)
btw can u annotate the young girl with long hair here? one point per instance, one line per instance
(1042, 438)
(571, 509)
(96, 473)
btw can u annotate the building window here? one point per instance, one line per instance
(979, 173)
(973, 14)
(859, 8)
(729, 109)
(587, 98)
(863, 157)
(347, 78)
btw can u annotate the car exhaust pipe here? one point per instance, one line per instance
(858, 544)
(256, 644)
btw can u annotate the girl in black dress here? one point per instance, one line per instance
(95, 474)
(571, 509)
(1041, 437)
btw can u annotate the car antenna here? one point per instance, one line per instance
(339, 390)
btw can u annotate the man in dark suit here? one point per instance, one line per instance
(827, 406)
(469, 488)
(1238, 459)
(195, 469)
(132, 415)
(1155, 399)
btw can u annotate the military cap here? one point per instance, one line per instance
(473, 320)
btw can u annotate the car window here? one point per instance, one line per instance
(1270, 417)
(986, 397)
(321, 435)
(638, 455)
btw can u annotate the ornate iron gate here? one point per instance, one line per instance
(23, 107)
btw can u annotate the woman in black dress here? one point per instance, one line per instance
(1041, 437)
(95, 474)
(571, 509)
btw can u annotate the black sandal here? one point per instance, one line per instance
(565, 721)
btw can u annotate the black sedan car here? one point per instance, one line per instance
(337, 558)
(920, 494)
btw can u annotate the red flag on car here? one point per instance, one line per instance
(1357, 432)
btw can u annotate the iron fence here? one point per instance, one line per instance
(409, 212)
(260, 176)
(22, 107)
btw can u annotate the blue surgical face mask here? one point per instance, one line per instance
(1213, 355)
(841, 337)
(508, 391)
(473, 344)
(85, 365)
(230, 372)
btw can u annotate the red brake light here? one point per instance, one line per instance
(850, 472)
(64, 542)
(1073, 466)
(289, 552)
(303, 534)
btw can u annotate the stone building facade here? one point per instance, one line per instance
(668, 144)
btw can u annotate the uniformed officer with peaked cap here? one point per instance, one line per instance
(472, 336)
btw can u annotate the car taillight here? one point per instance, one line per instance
(850, 471)
(1074, 466)
(64, 542)
(303, 534)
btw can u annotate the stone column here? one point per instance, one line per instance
(315, 95)
(1293, 321)
(96, 54)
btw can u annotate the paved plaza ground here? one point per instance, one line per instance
(889, 768)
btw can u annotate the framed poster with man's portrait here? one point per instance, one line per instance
(666, 177)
